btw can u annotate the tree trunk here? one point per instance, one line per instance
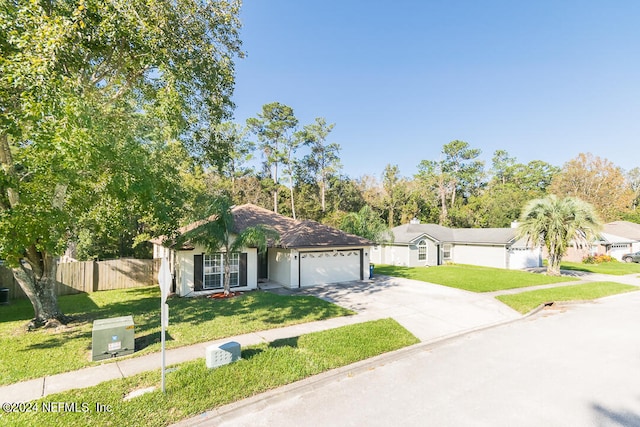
(275, 188)
(38, 278)
(443, 203)
(322, 192)
(227, 273)
(38, 282)
(553, 264)
(293, 205)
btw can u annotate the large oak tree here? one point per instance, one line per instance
(91, 92)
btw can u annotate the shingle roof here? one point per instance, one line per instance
(627, 229)
(293, 233)
(409, 233)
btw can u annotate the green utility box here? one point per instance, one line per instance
(112, 337)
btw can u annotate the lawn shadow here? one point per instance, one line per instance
(145, 341)
(55, 340)
(279, 343)
(574, 270)
(284, 342)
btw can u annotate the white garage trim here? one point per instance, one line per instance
(318, 267)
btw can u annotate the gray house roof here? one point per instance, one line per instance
(411, 233)
(627, 229)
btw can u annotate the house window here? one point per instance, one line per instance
(446, 252)
(213, 270)
(422, 250)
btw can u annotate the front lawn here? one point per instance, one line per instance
(191, 320)
(615, 268)
(193, 389)
(470, 277)
(526, 301)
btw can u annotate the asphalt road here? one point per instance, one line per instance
(575, 365)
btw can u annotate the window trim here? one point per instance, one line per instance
(213, 269)
(447, 248)
(422, 250)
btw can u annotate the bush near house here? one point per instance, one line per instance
(598, 259)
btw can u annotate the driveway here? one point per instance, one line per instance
(577, 366)
(427, 310)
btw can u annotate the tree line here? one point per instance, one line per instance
(457, 190)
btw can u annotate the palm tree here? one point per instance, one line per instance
(217, 234)
(555, 222)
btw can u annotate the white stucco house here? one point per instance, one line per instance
(308, 253)
(418, 244)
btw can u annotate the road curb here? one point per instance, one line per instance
(262, 400)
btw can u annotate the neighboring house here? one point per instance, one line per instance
(307, 254)
(418, 244)
(627, 230)
(616, 239)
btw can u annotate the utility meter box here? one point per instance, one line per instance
(112, 337)
(216, 356)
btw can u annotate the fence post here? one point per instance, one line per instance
(95, 276)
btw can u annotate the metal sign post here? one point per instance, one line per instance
(164, 279)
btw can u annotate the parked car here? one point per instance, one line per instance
(634, 257)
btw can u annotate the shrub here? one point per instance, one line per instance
(597, 259)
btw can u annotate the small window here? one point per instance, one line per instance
(446, 252)
(422, 250)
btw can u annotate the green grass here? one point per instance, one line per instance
(615, 268)
(191, 320)
(470, 277)
(526, 301)
(193, 389)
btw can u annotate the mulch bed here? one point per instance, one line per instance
(221, 295)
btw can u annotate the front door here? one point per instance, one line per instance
(263, 272)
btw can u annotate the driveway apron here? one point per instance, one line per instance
(427, 310)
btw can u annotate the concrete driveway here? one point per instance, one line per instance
(574, 366)
(427, 310)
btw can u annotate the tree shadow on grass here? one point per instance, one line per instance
(279, 343)
(285, 342)
(145, 341)
(58, 340)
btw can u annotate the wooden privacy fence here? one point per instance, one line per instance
(93, 276)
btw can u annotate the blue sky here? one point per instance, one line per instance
(541, 79)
